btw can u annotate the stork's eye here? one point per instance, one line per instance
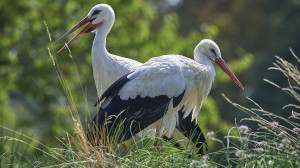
(213, 51)
(96, 12)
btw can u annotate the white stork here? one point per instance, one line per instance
(160, 93)
(107, 68)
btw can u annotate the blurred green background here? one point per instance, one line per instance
(249, 34)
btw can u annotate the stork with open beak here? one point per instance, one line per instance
(107, 68)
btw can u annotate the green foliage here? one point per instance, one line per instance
(32, 99)
(277, 147)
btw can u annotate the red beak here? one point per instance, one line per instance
(80, 24)
(221, 63)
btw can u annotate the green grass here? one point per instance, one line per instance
(274, 144)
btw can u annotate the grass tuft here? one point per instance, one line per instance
(276, 141)
(274, 144)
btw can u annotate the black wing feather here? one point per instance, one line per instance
(114, 88)
(191, 130)
(134, 114)
(177, 100)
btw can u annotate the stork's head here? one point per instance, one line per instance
(209, 49)
(99, 15)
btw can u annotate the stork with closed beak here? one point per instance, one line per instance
(160, 93)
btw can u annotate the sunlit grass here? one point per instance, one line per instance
(276, 141)
(274, 144)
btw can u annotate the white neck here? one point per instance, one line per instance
(99, 44)
(203, 59)
(100, 56)
(204, 86)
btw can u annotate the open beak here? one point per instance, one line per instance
(221, 63)
(88, 27)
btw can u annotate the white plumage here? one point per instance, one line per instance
(157, 83)
(107, 67)
(170, 75)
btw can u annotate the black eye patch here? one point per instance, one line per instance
(213, 51)
(96, 12)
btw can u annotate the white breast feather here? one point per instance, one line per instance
(170, 75)
(108, 68)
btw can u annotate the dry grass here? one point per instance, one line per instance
(78, 146)
(274, 144)
(277, 138)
